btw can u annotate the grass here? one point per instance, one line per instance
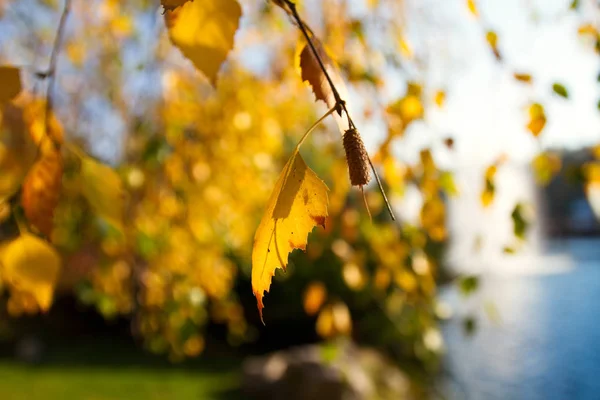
(95, 371)
(20, 382)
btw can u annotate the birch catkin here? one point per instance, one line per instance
(357, 158)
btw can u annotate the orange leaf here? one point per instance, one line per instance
(41, 191)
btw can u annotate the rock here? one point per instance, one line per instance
(341, 372)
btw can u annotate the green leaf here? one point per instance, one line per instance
(468, 285)
(520, 222)
(560, 90)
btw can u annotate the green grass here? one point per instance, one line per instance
(108, 371)
(19, 382)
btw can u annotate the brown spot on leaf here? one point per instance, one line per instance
(319, 220)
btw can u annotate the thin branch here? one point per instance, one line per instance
(340, 103)
(51, 72)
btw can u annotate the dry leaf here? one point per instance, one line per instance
(41, 191)
(31, 265)
(312, 73)
(204, 31)
(10, 83)
(298, 203)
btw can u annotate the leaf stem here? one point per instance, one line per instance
(312, 128)
(340, 103)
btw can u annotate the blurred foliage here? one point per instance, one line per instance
(149, 177)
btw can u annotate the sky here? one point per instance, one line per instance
(486, 109)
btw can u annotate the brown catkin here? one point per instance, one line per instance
(357, 158)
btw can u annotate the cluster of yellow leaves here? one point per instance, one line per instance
(31, 159)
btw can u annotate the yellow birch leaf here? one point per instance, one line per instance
(537, 119)
(10, 83)
(298, 203)
(405, 48)
(440, 98)
(103, 189)
(492, 38)
(31, 265)
(472, 6)
(204, 31)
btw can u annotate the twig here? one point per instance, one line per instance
(51, 72)
(340, 103)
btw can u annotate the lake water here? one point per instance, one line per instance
(544, 342)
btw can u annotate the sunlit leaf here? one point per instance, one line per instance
(314, 297)
(334, 320)
(492, 38)
(537, 119)
(447, 184)
(440, 98)
(103, 189)
(31, 265)
(472, 6)
(298, 203)
(404, 46)
(204, 31)
(407, 109)
(10, 83)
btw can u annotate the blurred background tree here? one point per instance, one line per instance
(156, 224)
